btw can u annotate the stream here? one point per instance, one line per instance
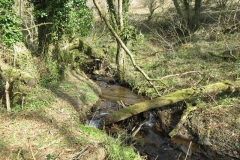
(150, 140)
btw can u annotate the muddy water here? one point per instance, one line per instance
(151, 141)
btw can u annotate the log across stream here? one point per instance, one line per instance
(152, 141)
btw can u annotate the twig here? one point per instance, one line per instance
(180, 74)
(199, 81)
(20, 150)
(23, 98)
(188, 150)
(79, 154)
(121, 103)
(212, 98)
(26, 29)
(179, 156)
(138, 129)
(230, 50)
(59, 154)
(31, 149)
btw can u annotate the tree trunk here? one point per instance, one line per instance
(191, 19)
(117, 25)
(120, 58)
(123, 45)
(41, 36)
(177, 96)
(178, 8)
(120, 14)
(196, 17)
(7, 87)
(188, 12)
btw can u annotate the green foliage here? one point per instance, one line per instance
(51, 75)
(67, 16)
(8, 23)
(128, 33)
(80, 18)
(114, 147)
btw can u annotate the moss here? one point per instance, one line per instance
(97, 53)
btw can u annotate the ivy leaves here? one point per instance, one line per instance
(67, 16)
(80, 19)
(9, 23)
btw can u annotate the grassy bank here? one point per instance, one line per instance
(50, 125)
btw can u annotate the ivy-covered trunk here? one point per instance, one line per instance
(43, 31)
(56, 18)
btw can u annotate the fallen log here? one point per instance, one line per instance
(177, 96)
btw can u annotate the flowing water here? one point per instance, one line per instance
(155, 144)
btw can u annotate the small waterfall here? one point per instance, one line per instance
(96, 120)
(94, 123)
(151, 122)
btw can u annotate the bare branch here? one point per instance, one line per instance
(180, 74)
(125, 48)
(26, 29)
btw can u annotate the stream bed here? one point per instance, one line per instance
(150, 140)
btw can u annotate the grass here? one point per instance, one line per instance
(188, 66)
(50, 125)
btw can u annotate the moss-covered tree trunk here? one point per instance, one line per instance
(177, 96)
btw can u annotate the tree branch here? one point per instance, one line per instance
(125, 48)
(26, 29)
